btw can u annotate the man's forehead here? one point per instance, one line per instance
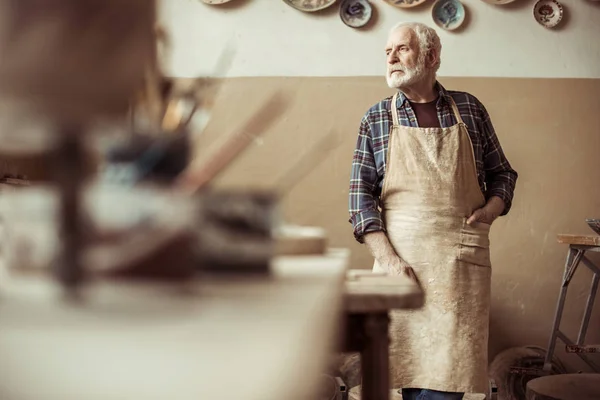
(402, 35)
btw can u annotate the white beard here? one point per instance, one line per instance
(410, 76)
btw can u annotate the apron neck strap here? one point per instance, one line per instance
(456, 112)
(395, 110)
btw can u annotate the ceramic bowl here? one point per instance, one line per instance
(448, 14)
(548, 13)
(594, 223)
(405, 3)
(355, 13)
(309, 5)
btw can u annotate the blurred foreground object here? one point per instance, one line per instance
(157, 341)
(66, 64)
(144, 328)
(73, 60)
(241, 230)
(124, 230)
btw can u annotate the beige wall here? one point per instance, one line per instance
(549, 128)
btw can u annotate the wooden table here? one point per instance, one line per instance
(578, 246)
(260, 338)
(369, 299)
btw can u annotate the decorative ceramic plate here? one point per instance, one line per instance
(498, 2)
(215, 1)
(355, 13)
(405, 3)
(309, 5)
(548, 13)
(448, 14)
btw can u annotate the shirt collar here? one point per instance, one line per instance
(443, 95)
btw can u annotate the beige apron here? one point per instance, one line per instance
(429, 190)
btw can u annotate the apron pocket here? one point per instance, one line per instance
(474, 246)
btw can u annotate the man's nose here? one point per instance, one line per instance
(392, 58)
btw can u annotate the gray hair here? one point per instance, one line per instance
(427, 37)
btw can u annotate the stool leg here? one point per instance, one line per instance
(375, 358)
(573, 258)
(588, 310)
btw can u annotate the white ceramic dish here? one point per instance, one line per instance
(309, 5)
(448, 14)
(355, 13)
(405, 3)
(548, 13)
(215, 2)
(498, 2)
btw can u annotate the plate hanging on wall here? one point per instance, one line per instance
(309, 5)
(215, 1)
(498, 2)
(355, 13)
(448, 14)
(548, 13)
(405, 3)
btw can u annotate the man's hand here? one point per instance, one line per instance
(397, 266)
(488, 213)
(383, 251)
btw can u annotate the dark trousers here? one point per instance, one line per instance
(427, 394)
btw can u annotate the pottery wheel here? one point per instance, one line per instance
(565, 387)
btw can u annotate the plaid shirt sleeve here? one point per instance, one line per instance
(362, 202)
(500, 177)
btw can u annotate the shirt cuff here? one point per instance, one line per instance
(365, 222)
(502, 193)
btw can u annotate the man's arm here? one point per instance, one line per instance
(362, 203)
(382, 250)
(362, 200)
(500, 177)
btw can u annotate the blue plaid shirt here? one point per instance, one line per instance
(496, 176)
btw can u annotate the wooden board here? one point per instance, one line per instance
(377, 292)
(14, 181)
(298, 240)
(309, 266)
(227, 338)
(583, 240)
(564, 387)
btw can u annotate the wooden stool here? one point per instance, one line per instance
(564, 387)
(579, 245)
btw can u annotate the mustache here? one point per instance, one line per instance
(396, 67)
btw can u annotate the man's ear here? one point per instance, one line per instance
(432, 59)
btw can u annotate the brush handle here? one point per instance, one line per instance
(196, 178)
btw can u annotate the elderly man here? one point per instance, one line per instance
(428, 179)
